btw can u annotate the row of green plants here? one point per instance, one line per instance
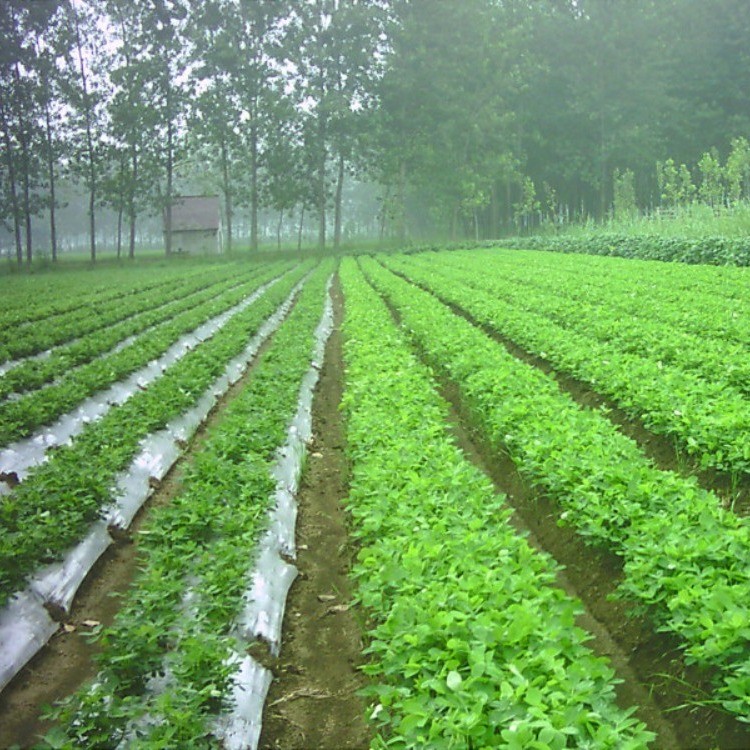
(719, 251)
(28, 299)
(471, 644)
(702, 300)
(686, 561)
(716, 251)
(707, 419)
(45, 334)
(34, 373)
(177, 624)
(52, 508)
(21, 417)
(714, 349)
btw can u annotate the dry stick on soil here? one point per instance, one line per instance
(313, 702)
(659, 449)
(650, 665)
(66, 662)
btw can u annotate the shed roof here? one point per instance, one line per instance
(191, 212)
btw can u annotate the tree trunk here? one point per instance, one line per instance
(120, 211)
(25, 175)
(494, 212)
(321, 187)
(337, 206)
(131, 199)
(26, 180)
(402, 202)
(384, 211)
(454, 222)
(170, 173)
(11, 179)
(301, 225)
(254, 182)
(226, 189)
(603, 172)
(89, 140)
(278, 230)
(51, 178)
(508, 203)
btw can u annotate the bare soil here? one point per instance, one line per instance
(68, 660)
(313, 701)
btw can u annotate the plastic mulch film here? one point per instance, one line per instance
(272, 576)
(271, 580)
(56, 585)
(240, 730)
(6, 367)
(25, 624)
(46, 355)
(154, 461)
(17, 458)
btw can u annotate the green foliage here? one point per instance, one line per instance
(711, 190)
(471, 643)
(607, 489)
(676, 364)
(528, 205)
(675, 183)
(53, 506)
(738, 171)
(134, 316)
(703, 250)
(19, 418)
(625, 203)
(178, 619)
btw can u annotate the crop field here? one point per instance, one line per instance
(448, 499)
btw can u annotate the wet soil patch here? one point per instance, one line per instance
(313, 701)
(665, 453)
(67, 661)
(670, 695)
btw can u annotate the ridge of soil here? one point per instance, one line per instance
(66, 662)
(313, 701)
(670, 695)
(663, 452)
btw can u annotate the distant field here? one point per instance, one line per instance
(485, 392)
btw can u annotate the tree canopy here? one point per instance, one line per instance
(471, 117)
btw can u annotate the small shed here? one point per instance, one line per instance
(196, 224)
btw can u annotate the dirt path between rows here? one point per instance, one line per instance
(313, 700)
(67, 661)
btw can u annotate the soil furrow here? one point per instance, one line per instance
(313, 701)
(68, 660)
(671, 696)
(665, 453)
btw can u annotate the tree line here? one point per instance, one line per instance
(471, 117)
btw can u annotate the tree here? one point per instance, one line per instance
(738, 170)
(82, 89)
(711, 190)
(24, 112)
(132, 117)
(675, 183)
(455, 140)
(625, 204)
(10, 52)
(334, 47)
